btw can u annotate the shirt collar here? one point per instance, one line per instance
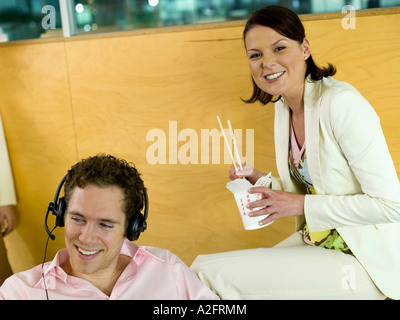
(53, 268)
(137, 251)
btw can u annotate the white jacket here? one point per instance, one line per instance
(358, 190)
(7, 192)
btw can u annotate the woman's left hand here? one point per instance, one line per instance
(278, 204)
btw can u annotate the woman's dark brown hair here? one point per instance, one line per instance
(287, 23)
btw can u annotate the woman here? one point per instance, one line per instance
(336, 177)
(7, 200)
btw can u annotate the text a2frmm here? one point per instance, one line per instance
(206, 309)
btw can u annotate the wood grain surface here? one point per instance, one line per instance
(67, 99)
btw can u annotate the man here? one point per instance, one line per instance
(103, 195)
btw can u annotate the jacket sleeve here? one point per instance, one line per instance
(356, 129)
(7, 192)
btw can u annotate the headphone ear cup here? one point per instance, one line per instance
(59, 211)
(137, 224)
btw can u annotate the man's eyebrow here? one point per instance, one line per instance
(108, 221)
(76, 213)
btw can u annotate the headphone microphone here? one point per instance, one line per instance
(57, 207)
(52, 236)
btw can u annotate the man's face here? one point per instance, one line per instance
(94, 230)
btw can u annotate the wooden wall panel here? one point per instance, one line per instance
(36, 111)
(123, 88)
(62, 101)
(368, 58)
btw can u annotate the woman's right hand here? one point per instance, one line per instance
(248, 172)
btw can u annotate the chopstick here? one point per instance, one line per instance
(234, 144)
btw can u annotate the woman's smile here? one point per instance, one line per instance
(272, 77)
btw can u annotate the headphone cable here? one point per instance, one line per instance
(44, 260)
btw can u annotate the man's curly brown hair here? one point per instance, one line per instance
(104, 171)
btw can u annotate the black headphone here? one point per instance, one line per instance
(136, 224)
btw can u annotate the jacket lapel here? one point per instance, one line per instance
(281, 136)
(312, 101)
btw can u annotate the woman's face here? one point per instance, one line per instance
(277, 64)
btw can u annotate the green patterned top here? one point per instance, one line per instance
(329, 239)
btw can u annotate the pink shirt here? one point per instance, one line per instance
(296, 153)
(152, 274)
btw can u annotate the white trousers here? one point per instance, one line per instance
(290, 270)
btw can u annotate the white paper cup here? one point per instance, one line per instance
(249, 223)
(239, 188)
